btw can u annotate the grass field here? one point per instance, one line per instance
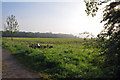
(68, 58)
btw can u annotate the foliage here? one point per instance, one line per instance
(38, 35)
(109, 38)
(111, 47)
(11, 25)
(92, 6)
(112, 18)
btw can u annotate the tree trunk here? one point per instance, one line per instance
(11, 35)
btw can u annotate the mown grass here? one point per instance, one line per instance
(69, 58)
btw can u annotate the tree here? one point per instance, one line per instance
(111, 45)
(11, 25)
(92, 6)
(111, 48)
(112, 18)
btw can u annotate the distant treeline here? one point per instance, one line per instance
(37, 35)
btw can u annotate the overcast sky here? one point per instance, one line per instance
(58, 17)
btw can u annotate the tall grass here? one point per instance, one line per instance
(69, 58)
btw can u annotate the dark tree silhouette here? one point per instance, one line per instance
(111, 45)
(111, 49)
(112, 18)
(92, 6)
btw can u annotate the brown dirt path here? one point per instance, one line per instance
(11, 68)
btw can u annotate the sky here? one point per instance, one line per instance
(57, 17)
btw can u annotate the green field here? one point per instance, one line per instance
(68, 58)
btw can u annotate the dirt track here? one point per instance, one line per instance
(11, 68)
